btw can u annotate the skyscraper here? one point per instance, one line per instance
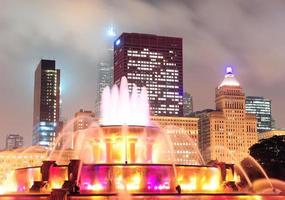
(226, 133)
(261, 107)
(14, 141)
(187, 104)
(105, 78)
(46, 103)
(105, 69)
(155, 62)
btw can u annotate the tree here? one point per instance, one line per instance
(270, 153)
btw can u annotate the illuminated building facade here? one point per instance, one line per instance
(261, 107)
(30, 157)
(269, 134)
(19, 158)
(46, 103)
(183, 132)
(14, 141)
(226, 133)
(155, 62)
(187, 104)
(83, 119)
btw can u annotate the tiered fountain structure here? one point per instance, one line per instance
(124, 153)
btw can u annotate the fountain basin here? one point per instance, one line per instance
(134, 178)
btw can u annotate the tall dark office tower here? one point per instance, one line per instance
(261, 107)
(155, 62)
(187, 104)
(46, 103)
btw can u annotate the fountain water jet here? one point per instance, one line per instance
(261, 169)
(179, 136)
(120, 108)
(237, 164)
(263, 186)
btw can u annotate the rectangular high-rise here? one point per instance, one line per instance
(14, 141)
(46, 103)
(261, 107)
(104, 79)
(187, 104)
(105, 70)
(155, 62)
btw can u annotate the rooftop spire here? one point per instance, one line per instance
(229, 79)
(229, 70)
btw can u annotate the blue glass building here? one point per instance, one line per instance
(261, 107)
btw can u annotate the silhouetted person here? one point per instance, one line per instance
(178, 189)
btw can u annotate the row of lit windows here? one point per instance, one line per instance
(144, 68)
(151, 78)
(169, 73)
(164, 112)
(151, 63)
(136, 55)
(142, 65)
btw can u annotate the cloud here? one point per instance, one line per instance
(247, 34)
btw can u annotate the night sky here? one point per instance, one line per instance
(250, 35)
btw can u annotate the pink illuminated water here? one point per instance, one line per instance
(119, 107)
(126, 196)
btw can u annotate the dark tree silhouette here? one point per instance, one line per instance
(270, 153)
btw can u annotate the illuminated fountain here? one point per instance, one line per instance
(124, 153)
(120, 108)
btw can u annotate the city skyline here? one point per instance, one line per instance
(260, 67)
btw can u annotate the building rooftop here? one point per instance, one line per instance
(229, 79)
(31, 149)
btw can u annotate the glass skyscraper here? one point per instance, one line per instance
(187, 104)
(261, 107)
(155, 62)
(46, 103)
(105, 69)
(105, 78)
